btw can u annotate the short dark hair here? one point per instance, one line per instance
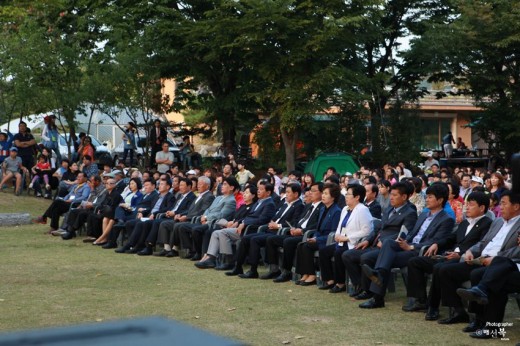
(88, 157)
(358, 190)
(298, 174)
(267, 185)
(401, 187)
(295, 188)
(334, 190)
(374, 188)
(97, 178)
(186, 180)
(439, 190)
(371, 179)
(481, 198)
(417, 183)
(138, 182)
(253, 189)
(513, 197)
(332, 179)
(168, 182)
(232, 181)
(385, 183)
(319, 184)
(455, 188)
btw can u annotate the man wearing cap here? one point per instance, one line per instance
(13, 167)
(164, 158)
(25, 143)
(430, 161)
(119, 176)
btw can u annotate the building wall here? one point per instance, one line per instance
(169, 89)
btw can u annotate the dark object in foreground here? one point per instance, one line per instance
(147, 331)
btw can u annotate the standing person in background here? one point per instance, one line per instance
(164, 158)
(447, 140)
(157, 137)
(50, 135)
(243, 175)
(25, 143)
(186, 150)
(129, 142)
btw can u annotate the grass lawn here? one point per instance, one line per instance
(46, 282)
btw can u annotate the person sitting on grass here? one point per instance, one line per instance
(13, 168)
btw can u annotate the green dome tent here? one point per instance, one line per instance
(343, 163)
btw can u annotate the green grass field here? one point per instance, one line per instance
(47, 282)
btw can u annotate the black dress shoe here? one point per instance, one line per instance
(209, 263)
(372, 304)
(283, 278)
(364, 295)
(68, 235)
(110, 245)
(308, 283)
(326, 286)
(132, 250)
(472, 327)
(190, 255)
(249, 275)
(225, 266)
(236, 271)
(338, 289)
(473, 294)
(161, 253)
(372, 274)
(147, 251)
(455, 318)
(432, 314)
(416, 306)
(172, 253)
(196, 257)
(271, 275)
(122, 249)
(355, 292)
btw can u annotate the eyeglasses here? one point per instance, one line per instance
(109, 183)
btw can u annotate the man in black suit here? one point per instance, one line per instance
(142, 225)
(500, 240)
(157, 137)
(469, 232)
(370, 200)
(263, 211)
(431, 227)
(288, 213)
(400, 213)
(491, 286)
(184, 199)
(289, 241)
(169, 232)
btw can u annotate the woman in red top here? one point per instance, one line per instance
(86, 148)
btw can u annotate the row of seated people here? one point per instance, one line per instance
(367, 253)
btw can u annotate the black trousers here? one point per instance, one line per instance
(352, 260)
(451, 276)
(418, 268)
(77, 217)
(243, 249)
(305, 258)
(151, 239)
(140, 232)
(258, 241)
(330, 271)
(198, 233)
(498, 279)
(94, 225)
(181, 238)
(288, 243)
(57, 208)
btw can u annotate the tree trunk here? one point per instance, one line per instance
(289, 143)
(227, 128)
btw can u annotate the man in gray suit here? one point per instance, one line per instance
(431, 227)
(223, 207)
(500, 240)
(169, 232)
